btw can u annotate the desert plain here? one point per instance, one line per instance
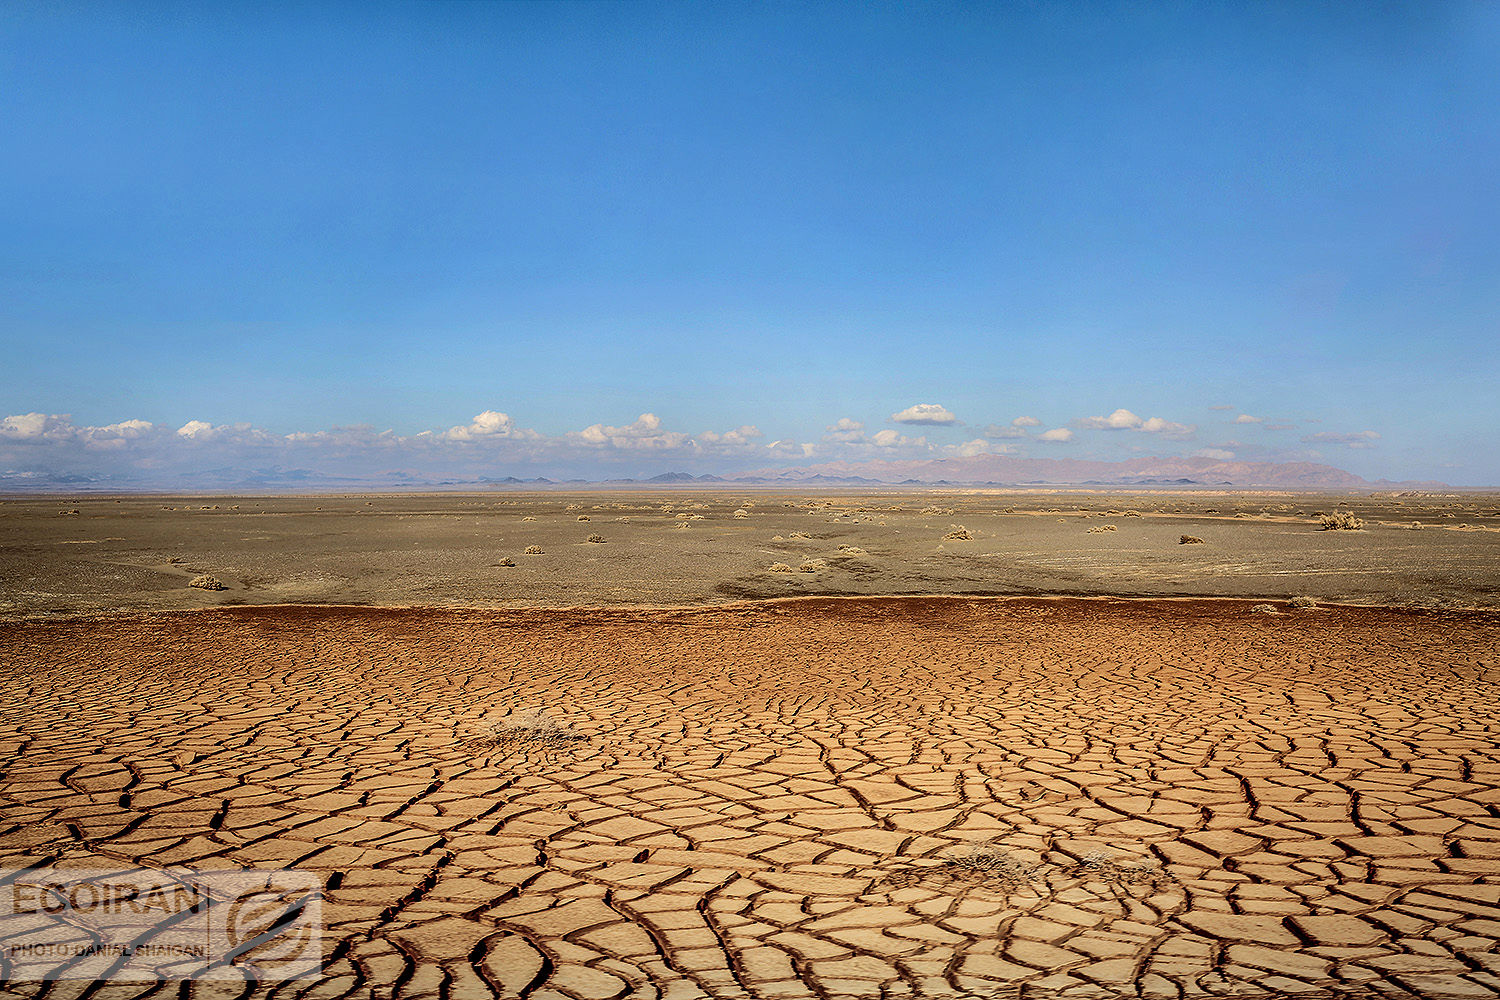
(704, 743)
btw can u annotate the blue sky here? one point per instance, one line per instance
(275, 220)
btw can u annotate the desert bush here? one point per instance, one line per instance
(206, 582)
(798, 534)
(958, 533)
(1096, 529)
(596, 538)
(1189, 540)
(584, 517)
(780, 568)
(742, 512)
(533, 550)
(1340, 520)
(535, 733)
(1302, 602)
(812, 566)
(528, 517)
(680, 524)
(507, 561)
(1264, 609)
(851, 550)
(1415, 526)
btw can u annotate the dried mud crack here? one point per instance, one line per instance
(873, 798)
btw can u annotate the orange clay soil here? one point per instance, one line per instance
(823, 798)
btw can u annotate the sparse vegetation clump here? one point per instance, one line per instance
(1302, 602)
(780, 568)
(1264, 609)
(206, 582)
(742, 512)
(538, 732)
(1189, 540)
(1098, 528)
(533, 550)
(958, 533)
(812, 566)
(851, 550)
(507, 561)
(528, 517)
(799, 534)
(584, 517)
(1340, 520)
(596, 538)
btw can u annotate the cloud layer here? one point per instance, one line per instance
(493, 442)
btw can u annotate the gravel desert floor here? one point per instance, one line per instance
(65, 556)
(872, 797)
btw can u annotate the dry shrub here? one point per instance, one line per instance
(1133, 513)
(1189, 540)
(507, 561)
(680, 524)
(1096, 529)
(813, 565)
(1264, 609)
(528, 517)
(596, 538)
(742, 512)
(1302, 602)
(584, 517)
(958, 533)
(1340, 520)
(1415, 526)
(851, 550)
(206, 582)
(533, 550)
(798, 534)
(780, 568)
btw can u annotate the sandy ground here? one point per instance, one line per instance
(100, 554)
(818, 798)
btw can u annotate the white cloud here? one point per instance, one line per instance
(491, 424)
(978, 446)
(924, 413)
(845, 430)
(37, 427)
(1245, 418)
(1026, 422)
(1166, 428)
(645, 434)
(1120, 420)
(1358, 439)
(1056, 435)
(729, 442)
(195, 430)
(1218, 454)
(1124, 420)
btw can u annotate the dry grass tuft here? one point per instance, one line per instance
(812, 566)
(533, 550)
(507, 561)
(1340, 520)
(1098, 528)
(528, 517)
(958, 533)
(852, 550)
(798, 534)
(206, 582)
(1189, 540)
(780, 568)
(584, 517)
(596, 538)
(1264, 609)
(1302, 602)
(742, 512)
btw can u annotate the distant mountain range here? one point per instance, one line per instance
(980, 470)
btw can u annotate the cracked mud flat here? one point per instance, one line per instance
(815, 798)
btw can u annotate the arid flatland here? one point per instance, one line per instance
(62, 556)
(818, 798)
